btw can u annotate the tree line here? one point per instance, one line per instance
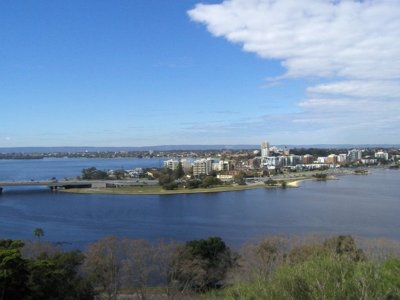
(273, 268)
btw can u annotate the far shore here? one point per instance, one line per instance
(158, 190)
(290, 182)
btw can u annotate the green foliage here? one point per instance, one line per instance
(325, 278)
(56, 277)
(179, 173)
(240, 178)
(344, 245)
(167, 179)
(45, 277)
(321, 176)
(193, 183)
(210, 181)
(14, 274)
(203, 264)
(389, 279)
(170, 186)
(38, 233)
(120, 174)
(334, 269)
(93, 174)
(270, 182)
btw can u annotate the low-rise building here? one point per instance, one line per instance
(342, 158)
(332, 159)
(308, 159)
(382, 155)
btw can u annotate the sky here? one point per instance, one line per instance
(155, 72)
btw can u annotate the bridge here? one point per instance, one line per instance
(56, 185)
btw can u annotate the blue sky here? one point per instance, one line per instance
(154, 72)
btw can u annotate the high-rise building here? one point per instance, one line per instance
(264, 149)
(354, 155)
(202, 166)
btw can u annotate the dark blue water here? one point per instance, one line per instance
(360, 205)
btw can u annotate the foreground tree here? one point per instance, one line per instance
(138, 265)
(44, 277)
(103, 265)
(203, 264)
(57, 277)
(14, 274)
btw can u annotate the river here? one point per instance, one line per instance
(359, 205)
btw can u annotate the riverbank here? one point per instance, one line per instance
(158, 190)
(280, 181)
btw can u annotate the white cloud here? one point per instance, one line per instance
(353, 45)
(359, 88)
(313, 37)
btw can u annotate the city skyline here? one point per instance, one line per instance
(144, 73)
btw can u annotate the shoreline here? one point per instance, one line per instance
(292, 182)
(158, 190)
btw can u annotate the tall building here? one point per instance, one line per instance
(354, 155)
(202, 166)
(264, 149)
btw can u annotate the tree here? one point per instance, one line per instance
(14, 274)
(93, 174)
(104, 263)
(203, 264)
(57, 277)
(345, 245)
(270, 182)
(44, 277)
(209, 181)
(120, 174)
(138, 264)
(38, 233)
(164, 255)
(178, 172)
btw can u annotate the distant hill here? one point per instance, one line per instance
(180, 147)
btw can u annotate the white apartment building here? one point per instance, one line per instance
(354, 155)
(171, 164)
(382, 155)
(342, 158)
(264, 149)
(202, 166)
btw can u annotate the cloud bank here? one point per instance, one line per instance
(353, 47)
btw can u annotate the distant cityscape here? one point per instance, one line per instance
(272, 160)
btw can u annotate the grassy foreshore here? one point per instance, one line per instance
(158, 190)
(289, 182)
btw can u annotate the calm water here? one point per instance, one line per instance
(361, 205)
